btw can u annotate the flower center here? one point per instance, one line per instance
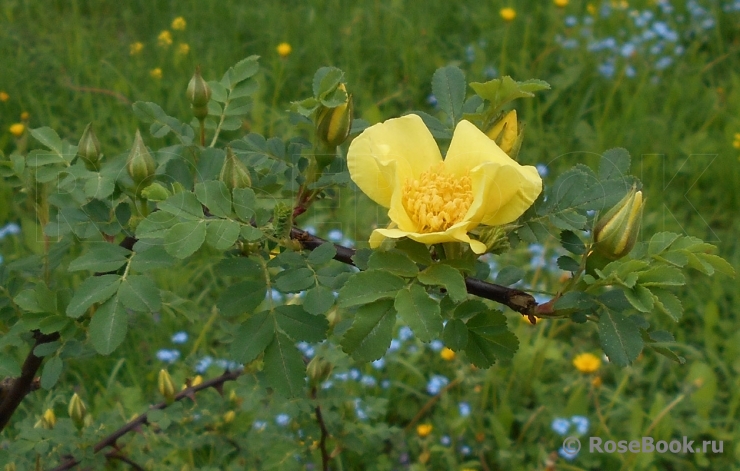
(437, 200)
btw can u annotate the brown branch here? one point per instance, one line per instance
(110, 440)
(520, 301)
(114, 455)
(24, 384)
(325, 457)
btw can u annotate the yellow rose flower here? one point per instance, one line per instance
(447, 354)
(165, 38)
(398, 165)
(179, 23)
(284, 50)
(508, 14)
(17, 129)
(135, 48)
(424, 430)
(587, 363)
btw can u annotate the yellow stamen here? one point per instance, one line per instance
(437, 200)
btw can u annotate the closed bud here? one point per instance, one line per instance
(155, 192)
(508, 134)
(89, 149)
(140, 164)
(229, 416)
(234, 173)
(77, 410)
(197, 381)
(333, 124)
(199, 93)
(10, 467)
(318, 370)
(48, 420)
(166, 386)
(616, 231)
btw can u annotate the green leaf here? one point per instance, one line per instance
(509, 275)
(668, 303)
(26, 300)
(153, 258)
(244, 203)
(568, 264)
(448, 277)
(51, 140)
(156, 225)
(662, 336)
(295, 279)
(614, 164)
(326, 80)
(619, 337)
(368, 286)
(661, 276)
(300, 325)
(162, 124)
(448, 86)
(469, 308)
(222, 234)
(371, 332)
(395, 262)
(99, 186)
(661, 241)
(215, 196)
(140, 293)
(243, 69)
(93, 290)
(102, 257)
(185, 238)
(184, 204)
(322, 254)
(9, 367)
(318, 300)
(416, 251)
(640, 298)
(51, 372)
(575, 300)
(252, 337)
(503, 90)
(108, 326)
(718, 263)
(284, 368)
(241, 297)
(251, 233)
(46, 349)
(242, 267)
(489, 339)
(572, 243)
(435, 126)
(420, 312)
(455, 335)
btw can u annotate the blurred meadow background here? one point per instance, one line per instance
(659, 78)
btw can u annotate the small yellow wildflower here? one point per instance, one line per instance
(25, 115)
(508, 14)
(4, 96)
(596, 382)
(183, 49)
(17, 129)
(135, 48)
(447, 354)
(591, 9)
(165, 38)
(284, 50)
(156, 73)
(179, 24)
(587, 363)
(561, 3)
(736, 142)
(424, 430)
(229, 416)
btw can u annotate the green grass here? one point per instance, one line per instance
(67, 63)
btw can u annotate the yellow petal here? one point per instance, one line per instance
(502, 193)
(456, 233)
(503, 189)
(405, 141)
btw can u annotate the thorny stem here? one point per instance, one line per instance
(325, 457)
